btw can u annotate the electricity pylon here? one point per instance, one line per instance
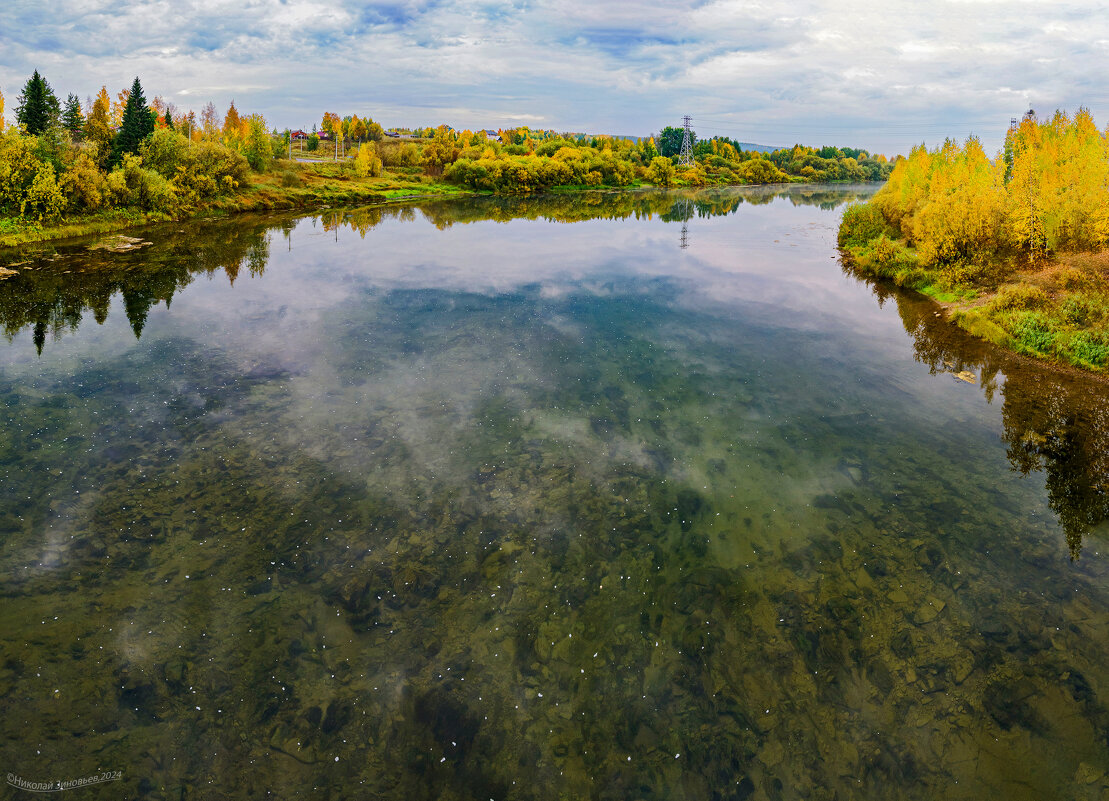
(685, 158)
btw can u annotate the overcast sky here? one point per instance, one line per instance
(879, 75)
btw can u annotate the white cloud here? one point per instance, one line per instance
(881, 75)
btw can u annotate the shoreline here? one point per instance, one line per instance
(125, 220)
(968, 312)
(267, 194)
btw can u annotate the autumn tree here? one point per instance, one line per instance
(232, 124)
(661, 171)
(1, 112)
(118, 106)
(38, 107)
(97, 128)
(257, 145)
(332, 123)
(367, 162)
(137, 124)
(357, 130)
(210, 121)
(440, 151)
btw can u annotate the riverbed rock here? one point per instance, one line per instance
(120, 244)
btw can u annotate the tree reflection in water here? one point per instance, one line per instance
(1054, 420)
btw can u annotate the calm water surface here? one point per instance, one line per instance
(633, 496)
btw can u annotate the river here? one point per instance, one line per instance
(618, 496)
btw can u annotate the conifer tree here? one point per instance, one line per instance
(72, 120)
(137, 124)
(38, 107)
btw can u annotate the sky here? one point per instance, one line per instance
(877, 75)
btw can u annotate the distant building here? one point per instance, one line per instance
(298, 136)
(496, 137)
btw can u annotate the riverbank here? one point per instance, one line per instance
(293, 187)
(289, 186)
(1053, 309)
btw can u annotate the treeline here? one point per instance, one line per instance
(675, 206)
(954, 219)
(528, 161)
(1048, 191)
(129, 154)
(65, 159)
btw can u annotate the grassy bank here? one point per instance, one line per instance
(291, 186)
(1054, 308)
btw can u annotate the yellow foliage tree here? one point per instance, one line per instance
(959, 218)
(98, 125)
(440, 151)
(367, 163)
(232, 124)
(119, 106)
(1049, 191)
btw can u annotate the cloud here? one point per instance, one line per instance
(881, 75)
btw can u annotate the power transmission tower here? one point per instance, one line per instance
(685, 158)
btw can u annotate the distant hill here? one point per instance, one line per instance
(636, 139)
(743, 145)
(758, 148)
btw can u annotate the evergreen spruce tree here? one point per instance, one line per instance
(72, 120)
(38, 107)
(137, 124)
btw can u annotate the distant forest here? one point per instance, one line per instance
(67, 159)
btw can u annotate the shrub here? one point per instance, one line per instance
(131, 184)
(164, 151)
(1016, 297)
(1090, 347)
(209, 170)
(44, 199)
(661, 171)
(85, 186)
(1081, 310)
(367, 162)
(861, 223)
(257, 147)
(1033, 332)
(18, 167)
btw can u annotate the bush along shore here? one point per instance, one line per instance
(125, 162)
(1015, 247)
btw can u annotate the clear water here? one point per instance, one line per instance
(461, 501)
